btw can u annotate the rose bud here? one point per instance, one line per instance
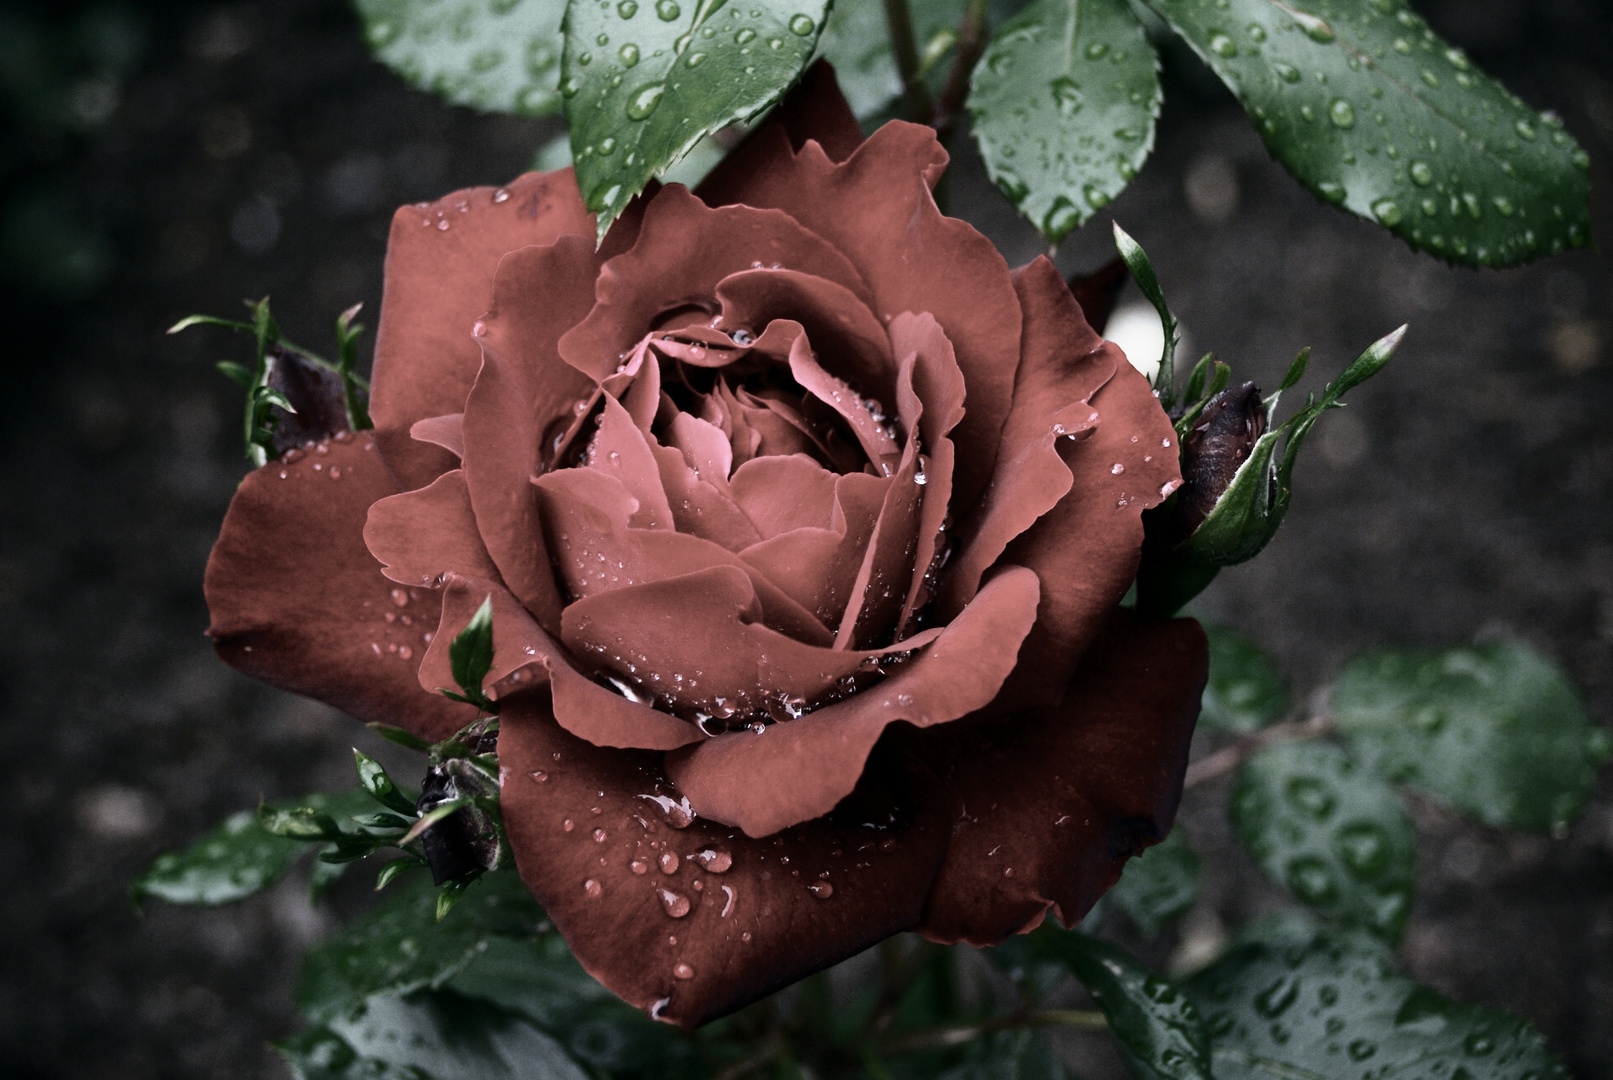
(1215, 447)
(804, 525)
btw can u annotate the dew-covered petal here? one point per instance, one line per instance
(421, 535)
(523, 653)
(684, 249)
(701, 507)
(876, 208)
(447, 432)
(782, 493)
(440, 260)
(1049, 804)
(594, 831)
(298, 601)
(523, 390)
(880, 589)
(1062, 365)
(879, 446)
(620, 449)
(799, 770)
(813, 109)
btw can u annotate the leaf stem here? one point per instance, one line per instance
(899, 22)
(939, 1038)
(1228, 758)
(966, 54)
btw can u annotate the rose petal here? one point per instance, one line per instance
(590, 838)
(783, 493)
(881, 586)
(586, 517)
(524, 388)
(700, 508)
(620, 450)
(799, 770)
(1048, 805)
(422, 534)
(878, 445)
(684, 249)
(447, 432)
(522, 652)
(814, 109)
(440, 261)
(1062, 365)
(297, 600)
(876, 208)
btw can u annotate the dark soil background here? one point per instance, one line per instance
(165, 159)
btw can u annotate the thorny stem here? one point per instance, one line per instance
(941, 1037)
(1228, 758)
(899, 22)
(971, 43)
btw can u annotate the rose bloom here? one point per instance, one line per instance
(806, 524)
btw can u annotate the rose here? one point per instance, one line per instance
(805, 525)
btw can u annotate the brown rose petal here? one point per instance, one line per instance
(685, 917)
(684, 249)
(1048, 805)
(877, 210)
(880, 588)
(586, 519)
(799, 770)
(440, 260)
(778, 494)
(298, 601)
(814, 109)
(878, 445)
(620, 450)
(1062, 365)
(700, 507)
(522, 388)
(447, 432)
(422, 534)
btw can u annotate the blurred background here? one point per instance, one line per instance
(163, 159)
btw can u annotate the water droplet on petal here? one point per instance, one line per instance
(592, 888)
(683, 971)
(676, 904)
(821, 889)
(1117, 468)
(716, 861)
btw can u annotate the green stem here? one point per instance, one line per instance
(1228, 758)
(899, 22)
(970, 45)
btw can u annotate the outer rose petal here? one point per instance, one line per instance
(799, 770)
(298, 601)
(1048, 805)
(440, 260)
(422, 534)
(735, 918)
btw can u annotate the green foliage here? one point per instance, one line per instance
(493, 55)
(1334, 1008)
(858, 44)
(238, 858)
(1159, 885)
(434, 1036)
(1246, 692)
(1142, 272)
(470, 658)
(1063, 105)
(643, 82)
(1336, 835)
(1496, 730)
(1155, 1024)
(1374, 113)
(401, 946)
(1007, 1055)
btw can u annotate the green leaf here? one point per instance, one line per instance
(1246, 692)
(372, 776)
(1496, 730)
(1374, 113)
(1335, 1008)
(470, 657)
(400, 947)
(398, 735)
(857, 42)
(1063, 105)
(643, 82)
(1335, 834)
(1142, 272)
(237, 374)
(1159, 885)
(494, 55)
(1007, 1055)
(238, 858)
(1156, 1025)
(434, 1036)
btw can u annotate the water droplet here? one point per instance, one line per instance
(716, 861)
(745, 36)
(629, 54)
(639, 866)
(501, 196)
(644, 101)
(606, 145)
(1457, 58)
(675, 904)
(678, 813)
(1066, 95)
(1315, 29)
(1221, 45)
(1342, 113)
(669, 862)
(1421, 174)
(1310, 797)
(1364, 848)
(627, 8)
(1275, 999)
(802, 25)
(683, 971)
(1387, 211)
(1478, 1044)
(1257, 33)
(696, 59)
(1310, 879)
(667, 10)
(821, 889)
(1117, 468)
(570, 87)
(1285, 71)
(1503, 205)
(591, 888)
(1361, 1049)
(1060, 218)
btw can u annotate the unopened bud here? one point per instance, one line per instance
(1219, 442)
